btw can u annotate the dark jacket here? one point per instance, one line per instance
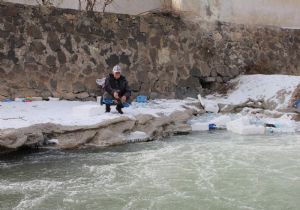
(120, 85)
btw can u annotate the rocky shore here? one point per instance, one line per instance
(115, 131)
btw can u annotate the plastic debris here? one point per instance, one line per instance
(19, 99)
(7, 100)
(100, 82)
(205, 127)
(27, 99)
(141, 99)
(297, 104)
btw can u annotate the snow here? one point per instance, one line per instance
(271, 88)
(244, 127)
(71, 113)
(137, 136)
(277, 89)
(208, 105)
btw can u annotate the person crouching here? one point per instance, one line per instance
(116, 89)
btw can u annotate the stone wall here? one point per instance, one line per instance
(60, 53)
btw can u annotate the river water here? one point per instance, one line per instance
(213, 170)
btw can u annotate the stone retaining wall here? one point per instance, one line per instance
(60, 53)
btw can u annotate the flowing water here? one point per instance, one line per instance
(216, 170)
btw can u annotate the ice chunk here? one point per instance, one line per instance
(200, 126)
(209, 105)
(137, 136)
(221, 121)
(242, 126)
(53, 141)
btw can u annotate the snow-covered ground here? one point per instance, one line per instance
(276, 89)
(21, 114)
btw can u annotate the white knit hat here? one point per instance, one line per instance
(117, 68)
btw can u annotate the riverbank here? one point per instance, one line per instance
(70, 124)
(252, 105)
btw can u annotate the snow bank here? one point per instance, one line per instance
(70, 113)
(276, 89)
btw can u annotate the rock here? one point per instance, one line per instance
(164, 56)
(195, 72)
(53, 41)
(226, 108)
(71, 140)
(144, 27)
(34, 32)
(61, 57)
(296, 117)
(125, 59)
(78, 87)
(82, 95)
(182, 129)
(74, 58)
(142, 119)
(209, 79)
(68, 44)
(180, 116)
(37, 47)
(112, 60)
(132, 43)
(53, 84)
(204, 69)
(155, 42)
(51, 61)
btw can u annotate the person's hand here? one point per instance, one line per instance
(116, 95)
(115, 101)
(123, 99)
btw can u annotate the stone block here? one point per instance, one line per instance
(53, 41)
(51, 61)
(34, 31)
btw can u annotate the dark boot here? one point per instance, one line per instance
(119, 109)
(107, 108)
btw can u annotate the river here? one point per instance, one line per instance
(210, 170)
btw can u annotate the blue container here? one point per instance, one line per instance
(141, 99)
(297, 104)
(212, 127)
(7, 100)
